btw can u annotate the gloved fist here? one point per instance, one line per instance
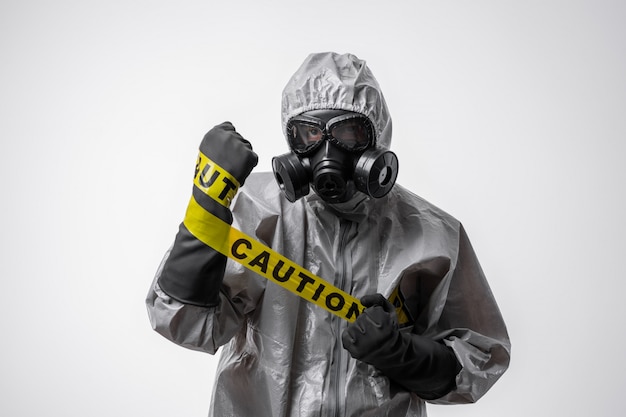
(227, 148)
(193, 271)
(225, 159)
(420, 364)
(374, 330)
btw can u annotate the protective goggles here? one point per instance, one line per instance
(351, 131)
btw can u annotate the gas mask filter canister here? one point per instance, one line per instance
(334, 152)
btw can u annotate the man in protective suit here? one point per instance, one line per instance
(430, 329)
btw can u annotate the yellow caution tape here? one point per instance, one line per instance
(254, 255)
(214, 181)
(404, 318)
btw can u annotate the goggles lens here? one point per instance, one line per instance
(353, 132)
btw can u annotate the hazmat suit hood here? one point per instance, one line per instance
(332, 81)
(329, 80)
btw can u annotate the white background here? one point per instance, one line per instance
(509, 115)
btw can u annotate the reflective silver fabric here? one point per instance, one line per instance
(282, 356)
(333, 81)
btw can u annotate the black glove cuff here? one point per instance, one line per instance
(423, 366)
(193, 272)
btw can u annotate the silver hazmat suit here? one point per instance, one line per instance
(281, 355)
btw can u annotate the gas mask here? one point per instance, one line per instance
(334, 152)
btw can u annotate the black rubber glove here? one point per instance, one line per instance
(419, 364)
(193, 272)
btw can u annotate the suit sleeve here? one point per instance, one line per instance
(199, 299)
(472, 326)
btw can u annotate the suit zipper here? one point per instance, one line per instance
(344, 276)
